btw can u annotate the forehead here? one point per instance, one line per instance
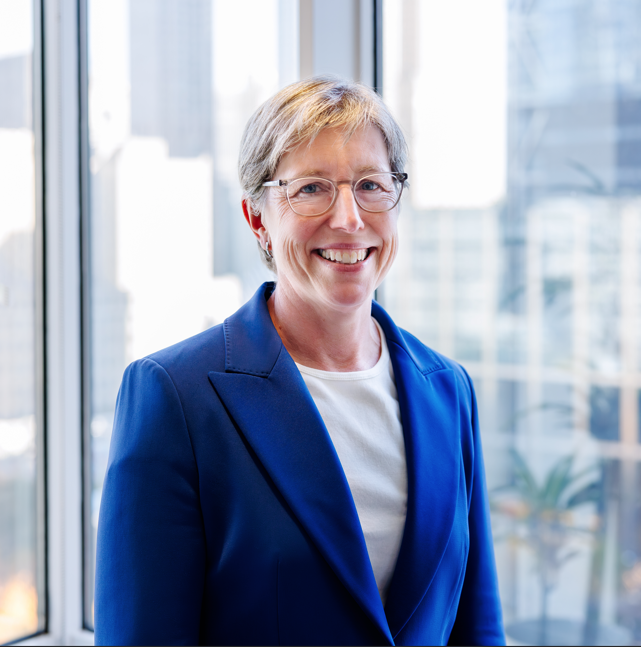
(331, 153)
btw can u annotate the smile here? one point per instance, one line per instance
(345, 256)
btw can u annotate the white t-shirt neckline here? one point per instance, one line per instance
(361, 413)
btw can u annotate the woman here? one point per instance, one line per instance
(307, 472)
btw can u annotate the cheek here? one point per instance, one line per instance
(394, 247)
(392, 250)
(291, 238)
(275, 214)
(292, 252)
(390, 238)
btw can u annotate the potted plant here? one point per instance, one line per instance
(543, 513)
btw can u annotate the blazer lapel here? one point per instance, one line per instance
(266, 396)
(427, 397)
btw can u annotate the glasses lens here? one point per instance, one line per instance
(310, 196)
(378, 192)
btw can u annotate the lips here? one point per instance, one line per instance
(344, 256)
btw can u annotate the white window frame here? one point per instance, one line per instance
(62, 354)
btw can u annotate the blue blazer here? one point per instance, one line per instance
(226, 517)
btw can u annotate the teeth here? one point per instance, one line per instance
(347, 257)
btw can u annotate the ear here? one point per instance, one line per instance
(255, 221)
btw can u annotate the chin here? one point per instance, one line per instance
(349, 296)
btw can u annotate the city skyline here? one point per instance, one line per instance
(538, 294)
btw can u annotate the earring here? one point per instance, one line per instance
(267, 252)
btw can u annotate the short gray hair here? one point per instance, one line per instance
(299, 112)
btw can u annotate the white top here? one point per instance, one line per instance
(360, 410)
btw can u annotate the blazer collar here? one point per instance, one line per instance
(267, 397)
(428, 399)
(428, 362)
(252, 344)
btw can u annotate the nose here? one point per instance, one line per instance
(345, 213)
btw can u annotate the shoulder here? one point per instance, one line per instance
(435, 360)
(201, 353)
(172, 377)
(427, 360)
(158, 392)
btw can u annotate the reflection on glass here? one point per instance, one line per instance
(521, 257)
(18, 505)
(171, 86)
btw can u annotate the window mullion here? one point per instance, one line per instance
(63, 335)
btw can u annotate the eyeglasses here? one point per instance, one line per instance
(313, 196)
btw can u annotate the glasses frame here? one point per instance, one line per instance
(401, 177)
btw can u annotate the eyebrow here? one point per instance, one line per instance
(317, 173)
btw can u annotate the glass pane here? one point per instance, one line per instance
(171, 86)
(21, 606)
(521, 258)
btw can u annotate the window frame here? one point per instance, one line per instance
(40, 324)
(63, 342)
(56, 107)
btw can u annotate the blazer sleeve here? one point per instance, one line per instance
(150, 555)
(479, 618)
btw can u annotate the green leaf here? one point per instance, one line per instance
(557, 482)
(588, 494)
(579, 475)
(526, 482)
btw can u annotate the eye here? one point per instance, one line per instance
(310, 188)
(307, 188)
(369, 185)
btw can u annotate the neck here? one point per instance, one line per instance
(328, 340)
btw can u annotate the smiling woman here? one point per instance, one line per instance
(314, 253)
(306, 472)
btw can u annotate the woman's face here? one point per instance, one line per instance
(298, 241)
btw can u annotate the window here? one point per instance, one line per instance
(119, 131)
(520, 257)
(22, 610)
(520, 247)
(170, 252)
